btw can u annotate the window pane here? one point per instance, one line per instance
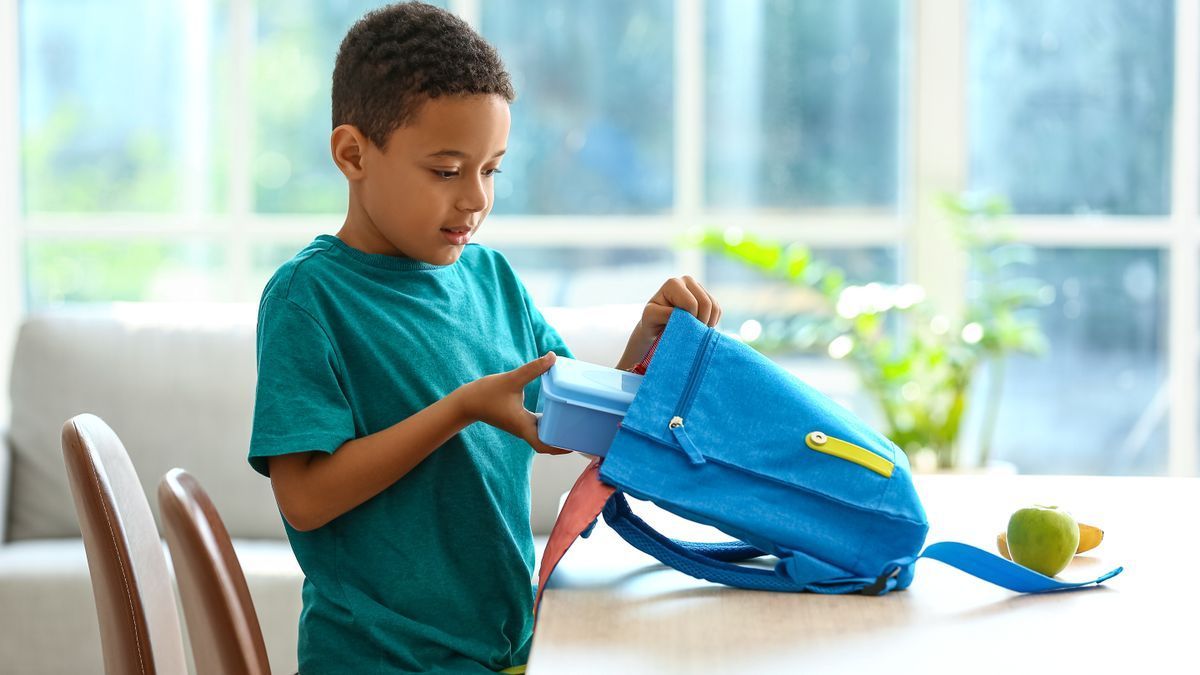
(297, 43)
(1096, 402)
(117, 101)
(592, 123)
(803, 102)
(576, 277)
(1070, 104)
(748, 294)
(777, 314)
(81, 270)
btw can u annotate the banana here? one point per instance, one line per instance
(1089, 538)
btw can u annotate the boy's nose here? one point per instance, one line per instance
(474, 196)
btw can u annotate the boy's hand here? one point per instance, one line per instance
(682, 292)
(499, 400)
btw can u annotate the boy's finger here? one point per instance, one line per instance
(703, 302)
(529, 432)
(535, 368)
(677, 294)
(656, 315)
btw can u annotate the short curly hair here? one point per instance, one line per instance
(396, 57)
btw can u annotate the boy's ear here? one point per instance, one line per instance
(348, 146)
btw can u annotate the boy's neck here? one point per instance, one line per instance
(359, 232)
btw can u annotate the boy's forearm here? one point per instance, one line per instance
(329, 485)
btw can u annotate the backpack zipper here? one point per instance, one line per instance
(696, 375)
(685, 401)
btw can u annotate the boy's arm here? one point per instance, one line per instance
(313, 488)
(683, 292)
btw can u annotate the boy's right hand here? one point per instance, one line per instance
(499, 400)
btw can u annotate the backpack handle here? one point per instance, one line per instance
(1002, 572)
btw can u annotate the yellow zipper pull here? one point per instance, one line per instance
(829, 445)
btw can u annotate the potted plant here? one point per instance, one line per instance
(915, 363)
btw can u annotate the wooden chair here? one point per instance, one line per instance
(135, 601)
(223, 627)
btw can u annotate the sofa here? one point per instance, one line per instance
(176, 382)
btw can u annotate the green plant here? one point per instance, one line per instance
(916, 363)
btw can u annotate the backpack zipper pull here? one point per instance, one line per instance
(822, 442)
(681, 437)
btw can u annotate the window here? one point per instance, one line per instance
(178, 150)
(1096, 401)
(1070, 104)
(121, 106)
(591, 129)
(1070, 112)
(802, 103)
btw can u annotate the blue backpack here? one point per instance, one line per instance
(721, 435)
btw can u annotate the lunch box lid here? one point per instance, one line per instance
(591, 386)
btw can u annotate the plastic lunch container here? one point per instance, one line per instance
(582, 404)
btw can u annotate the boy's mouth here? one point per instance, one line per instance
(459, 236)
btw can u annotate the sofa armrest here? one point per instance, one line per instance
(5, 480)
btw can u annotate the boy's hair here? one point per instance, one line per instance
(398, 56)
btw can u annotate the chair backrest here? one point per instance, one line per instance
(222, 624)
(135, 602)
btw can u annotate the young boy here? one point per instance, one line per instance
(381, 349)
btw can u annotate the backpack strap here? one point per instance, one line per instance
(983, 565)
(693, 559)
(618, 510)
(687, 558)
(575, 519)
(714, 562)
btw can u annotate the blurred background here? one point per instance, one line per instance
(177, 151)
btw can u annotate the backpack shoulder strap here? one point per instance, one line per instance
(792, 573)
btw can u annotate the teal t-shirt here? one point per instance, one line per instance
(434, 573)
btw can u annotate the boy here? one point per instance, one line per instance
(380, 349)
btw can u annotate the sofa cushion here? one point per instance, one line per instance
(56, 631)
(175, 382)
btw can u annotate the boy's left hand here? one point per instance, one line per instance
(683, 292)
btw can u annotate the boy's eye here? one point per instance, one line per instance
(492, 172)
(445, 174)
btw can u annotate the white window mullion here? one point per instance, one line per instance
(241, 142)
(938, 143)
(11, 225)
(194, 130)
(1092, 231)
(1183, 377)
(688, 208)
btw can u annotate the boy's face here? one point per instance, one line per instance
(426, 194)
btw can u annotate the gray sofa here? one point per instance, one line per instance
(177, 384)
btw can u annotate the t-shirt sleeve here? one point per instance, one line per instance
(545, 339)
(299, 403)
(545, 336)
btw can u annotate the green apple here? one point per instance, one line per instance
(1042, 538)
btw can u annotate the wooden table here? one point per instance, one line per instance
(612, 609)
